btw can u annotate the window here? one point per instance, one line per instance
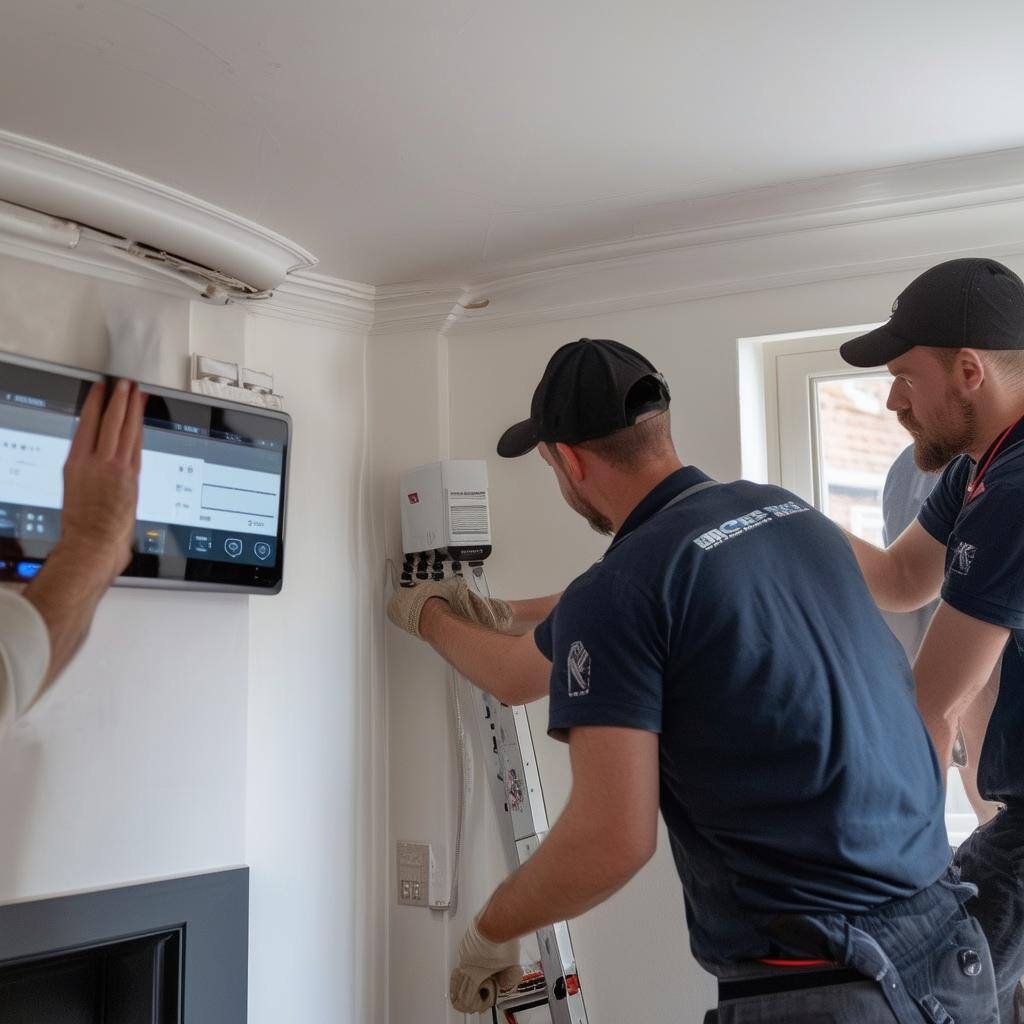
(831, 439)
(856, 441)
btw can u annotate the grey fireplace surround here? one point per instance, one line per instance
(212, 911)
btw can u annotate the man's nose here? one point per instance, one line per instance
(896, 402)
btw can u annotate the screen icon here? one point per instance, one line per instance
(200, 543)
(261, 549)
(233, 547)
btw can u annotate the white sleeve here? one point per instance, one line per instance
(24, 655)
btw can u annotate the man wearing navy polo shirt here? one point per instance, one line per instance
(955, 346)
(724, 661)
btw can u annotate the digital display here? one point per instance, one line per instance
(211, 492)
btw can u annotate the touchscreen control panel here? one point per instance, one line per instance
(211, 492)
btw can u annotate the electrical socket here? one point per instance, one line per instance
(414, 870)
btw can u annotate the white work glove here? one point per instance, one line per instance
(485, 968)
(491, 612)
(406, 605)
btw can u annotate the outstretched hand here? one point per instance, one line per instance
(101, 477)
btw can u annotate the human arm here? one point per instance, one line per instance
(905, 576)
(956, 660)
(531, 612)
(510, 668)
(606, 833)
(97, 522)
(974, 725)
(24, 656)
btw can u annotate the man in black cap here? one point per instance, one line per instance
(955, 346)
(725, 661)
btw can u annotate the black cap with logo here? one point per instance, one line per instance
(968, 303)
(590, 389)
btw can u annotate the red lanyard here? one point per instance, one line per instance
(975, 487)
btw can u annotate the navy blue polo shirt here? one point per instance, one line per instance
(796, 774)
(984, 540)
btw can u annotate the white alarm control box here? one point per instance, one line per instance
(445, 508)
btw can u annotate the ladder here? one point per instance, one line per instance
(512, 771)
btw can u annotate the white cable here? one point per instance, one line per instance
(465, 759)
(480, 582)
(463, 750)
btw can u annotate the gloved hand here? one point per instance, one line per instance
(406, 605)
(485, 968)
(491, 612)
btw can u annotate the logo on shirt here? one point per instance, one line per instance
(744, 524)
(579, 670)
(963, 558)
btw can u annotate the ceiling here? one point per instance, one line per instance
(404, 140)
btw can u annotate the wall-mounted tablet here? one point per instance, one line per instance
(211, 495)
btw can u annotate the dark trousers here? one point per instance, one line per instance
(992, 858)
(923, 960)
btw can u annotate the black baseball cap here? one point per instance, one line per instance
(590, 389)
(968, 303)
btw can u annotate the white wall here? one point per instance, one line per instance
(134, 766)
(198, 731)
(305, 695)
(632, 952)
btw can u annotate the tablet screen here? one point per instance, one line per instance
(211, 492)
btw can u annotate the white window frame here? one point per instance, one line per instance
(792, 368)
(789, 367)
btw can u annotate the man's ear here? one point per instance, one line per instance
(970, 368)
(571, 462)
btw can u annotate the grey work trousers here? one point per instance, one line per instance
(923, 960)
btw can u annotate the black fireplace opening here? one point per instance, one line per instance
(136, 980)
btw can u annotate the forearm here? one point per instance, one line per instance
(531, 612)
(65, 593)
(956, 660)
(942, 730)
(882, 574)
(974, 724)
(574, 870)
(483, 656)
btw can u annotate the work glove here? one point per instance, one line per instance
(406, 605)
(485, 968)
(491, 612)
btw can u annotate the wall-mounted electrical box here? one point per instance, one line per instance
(445, 509)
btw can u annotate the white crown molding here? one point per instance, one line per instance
(318, 299)
(303, 297)
(73, 187)
(403, 308)
(797, 205)
(887, 220)
(893, 220)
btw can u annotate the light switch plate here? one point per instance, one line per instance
(413, 874)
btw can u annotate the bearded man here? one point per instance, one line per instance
(955, 348)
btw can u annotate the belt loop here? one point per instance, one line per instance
(868, 957)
